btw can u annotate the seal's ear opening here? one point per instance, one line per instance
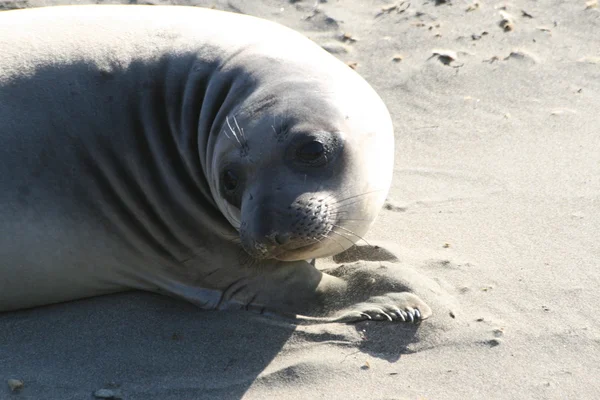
(230, 180)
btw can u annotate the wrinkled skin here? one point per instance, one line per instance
(187, 161)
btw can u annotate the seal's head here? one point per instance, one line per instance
(303, 165)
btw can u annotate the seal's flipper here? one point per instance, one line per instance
(299, 291)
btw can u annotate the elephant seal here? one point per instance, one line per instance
(186, 151)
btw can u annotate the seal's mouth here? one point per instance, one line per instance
(287, 252)
(302, 253)
(285, 247)
(293, 251)
(308, 253)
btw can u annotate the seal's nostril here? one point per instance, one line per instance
(282, 238)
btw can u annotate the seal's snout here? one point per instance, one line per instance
(271, 232)
(310, 220)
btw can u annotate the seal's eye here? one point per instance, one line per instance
(311, 151)
(230, 180)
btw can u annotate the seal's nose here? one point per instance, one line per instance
(277, 239)
(282, 238)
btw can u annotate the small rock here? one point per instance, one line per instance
(525, 14)
(107, 394)
(347, 37)
(335, 48)
(389, 8)
(15, 385)
(522, 55)
(445, 56)
(473, 7)
(507, 21)
(393, 206)
(398, 8)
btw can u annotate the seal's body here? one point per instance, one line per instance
(188, 151)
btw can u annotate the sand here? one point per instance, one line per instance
(493, 217)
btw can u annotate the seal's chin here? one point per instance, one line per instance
(289, 253)
(308, 252)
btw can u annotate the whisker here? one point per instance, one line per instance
(352, 233)
(342, 193)
(345, 237)
(331, 195)
(339, 213)
(340, 206)
(329, 237)
(358, 195)
(239, 129)
(341, 203)
(233, 131)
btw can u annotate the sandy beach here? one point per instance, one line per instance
(493, 219)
